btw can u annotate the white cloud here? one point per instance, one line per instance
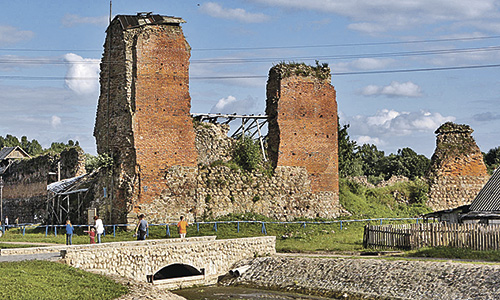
(231, 105)
(55, 121)
(70, 20)
(82, 75)
(373, 16)
(395, 89)
(390, 122)
(10, 35)
(217, 11)
(364, 139)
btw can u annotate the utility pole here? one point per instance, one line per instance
(1, 198)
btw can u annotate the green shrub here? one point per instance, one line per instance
(247, 154)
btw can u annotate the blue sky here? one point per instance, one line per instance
(401, 68)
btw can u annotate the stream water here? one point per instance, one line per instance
(238, 293)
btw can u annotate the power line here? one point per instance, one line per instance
(282, 47)
(353, 44)
(273, 59)
(20, 77)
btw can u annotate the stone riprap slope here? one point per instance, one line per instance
(373, 278)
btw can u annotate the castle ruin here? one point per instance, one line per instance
(160, 162)
(457, 171)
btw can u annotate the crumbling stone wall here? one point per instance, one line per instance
(457, 171)
(212, 142)
(25, 190)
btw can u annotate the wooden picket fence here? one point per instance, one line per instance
(414, 236)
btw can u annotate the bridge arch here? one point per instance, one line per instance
(177, 270)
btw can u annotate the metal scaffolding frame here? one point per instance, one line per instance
(251, 125)
(59, 202)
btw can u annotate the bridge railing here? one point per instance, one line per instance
(112, 228)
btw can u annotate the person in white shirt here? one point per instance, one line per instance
(99, 228)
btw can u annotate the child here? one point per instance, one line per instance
(182, 225)
(69, 233)
(91, 235)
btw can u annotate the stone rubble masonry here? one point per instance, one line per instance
(162, 158)
(457, 171)
(136, 260)
(25, 191)
(352, 278)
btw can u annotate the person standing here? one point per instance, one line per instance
(91, 235)
(141, 228)
(69, 233)
(6, 223)
(99, 228)
(182, 226)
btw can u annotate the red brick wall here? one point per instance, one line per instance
(162, 125)
(303, 113)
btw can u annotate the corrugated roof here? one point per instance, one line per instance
(488, 198)
(141, 19)
(62, 187)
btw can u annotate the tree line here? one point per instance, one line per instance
(367, 160)
(33, 147)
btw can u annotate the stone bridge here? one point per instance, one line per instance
(171, 262)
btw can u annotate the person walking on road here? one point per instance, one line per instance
(99, 228)
(69, 233)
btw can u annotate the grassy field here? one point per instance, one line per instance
(49, 280)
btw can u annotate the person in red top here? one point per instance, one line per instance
(182, 225)
(91, 235)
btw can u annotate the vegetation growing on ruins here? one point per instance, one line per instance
(50, 280)
(247, 153)
(100, 161)
(320, 71)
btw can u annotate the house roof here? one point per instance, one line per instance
(488, 198)
(141, 19)
(13, 153)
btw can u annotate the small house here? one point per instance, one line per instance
(9, 155)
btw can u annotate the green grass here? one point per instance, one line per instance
(455, 253)
(49, 280)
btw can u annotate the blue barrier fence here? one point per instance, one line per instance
(113, 227)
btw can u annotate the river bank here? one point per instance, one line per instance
(350, 278)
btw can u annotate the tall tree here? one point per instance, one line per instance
(349, 161)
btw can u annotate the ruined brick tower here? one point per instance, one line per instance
(457, 171)
(302, 110)
(143, 118)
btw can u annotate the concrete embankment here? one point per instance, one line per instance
(344, 278)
